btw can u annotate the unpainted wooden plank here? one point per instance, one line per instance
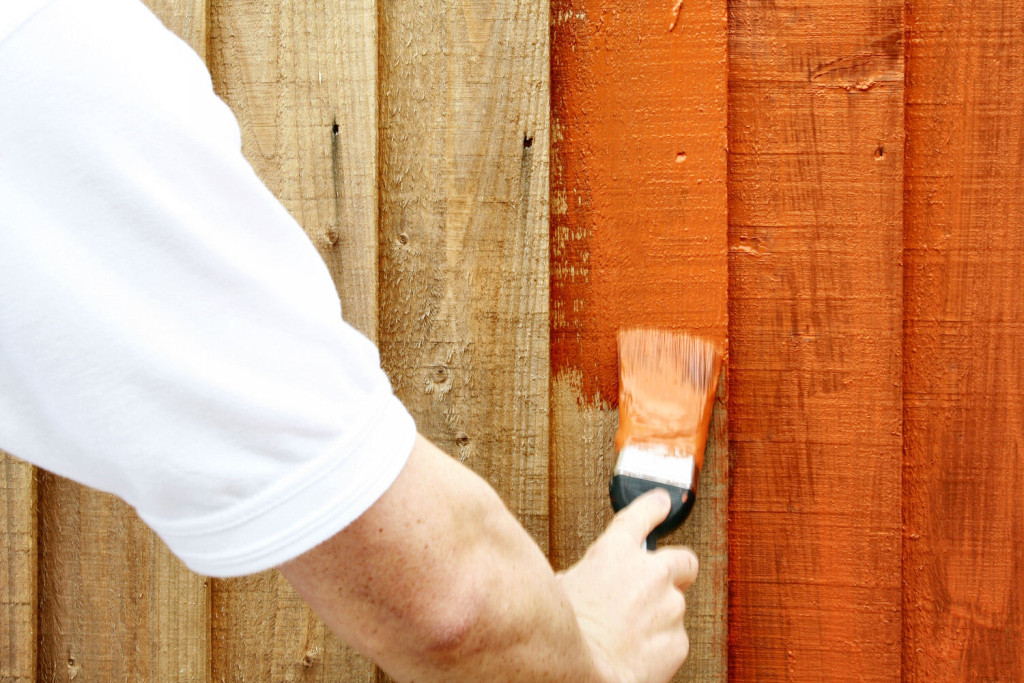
(463, 239)
(301, 78)
(638, 237)
(114, 604)
(963, 546)
(18, 607)
(815, 301)
(187, 18)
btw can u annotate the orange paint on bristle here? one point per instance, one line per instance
(667, 384)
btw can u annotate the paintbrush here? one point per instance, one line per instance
(667, 384)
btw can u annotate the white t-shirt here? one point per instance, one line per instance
(167, 331)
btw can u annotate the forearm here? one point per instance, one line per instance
(439, 582)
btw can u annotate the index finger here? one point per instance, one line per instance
(682, 565)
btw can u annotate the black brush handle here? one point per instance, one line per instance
(625, 489)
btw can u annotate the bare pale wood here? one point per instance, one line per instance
(114, 604)
(463, 235)
(301, 78)
(463, 238)
(18, 595)
(815, 326)
(187, 18)
(638, 238)
(963, 543)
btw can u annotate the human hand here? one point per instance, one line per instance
(629, 602)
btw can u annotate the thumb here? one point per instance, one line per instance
(639, 518)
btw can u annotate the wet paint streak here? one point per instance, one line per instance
(815, 328)
(963, 547)
(638, 169)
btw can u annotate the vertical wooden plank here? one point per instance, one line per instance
(114, 604)
(963, 549)
(300, 76)
(463, 238)
(638, 237)
(18, 579)
(463, 241)
(187, 18)
(815, 140)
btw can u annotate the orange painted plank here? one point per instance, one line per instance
(638, 237)
(815, 202)
(964, 348)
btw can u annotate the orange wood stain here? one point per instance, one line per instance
(815, 198)
(638, 239)
(963, 599)
(638, 198)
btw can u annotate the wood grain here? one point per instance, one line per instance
(815, 185)
(300, 77)
(18, 594)
(114, 604)
(463, 235)
(187, 18)
(963, 547)
(638, 237)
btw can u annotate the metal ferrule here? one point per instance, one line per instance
(657, 462)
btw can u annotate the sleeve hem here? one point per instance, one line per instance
(327, 497)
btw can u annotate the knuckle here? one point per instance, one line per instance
(684, 644)
(625, 516)
(617, 530)
(664, 574)
(676, 606)
(694, 563)
(688, 566)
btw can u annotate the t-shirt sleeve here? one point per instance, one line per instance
(168, 333)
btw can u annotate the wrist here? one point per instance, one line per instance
(593, 642)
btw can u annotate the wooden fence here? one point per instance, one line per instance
(836, 185)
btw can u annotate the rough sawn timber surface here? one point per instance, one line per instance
(638, 238)
(300, 77)
(463, 234)
(187, 18)
(18, 595)
(114, 604)
(815, 202)
(963, 546)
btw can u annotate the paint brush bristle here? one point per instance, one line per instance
(674, 356)
(667, 391)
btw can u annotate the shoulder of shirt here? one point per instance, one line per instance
(14, 14)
